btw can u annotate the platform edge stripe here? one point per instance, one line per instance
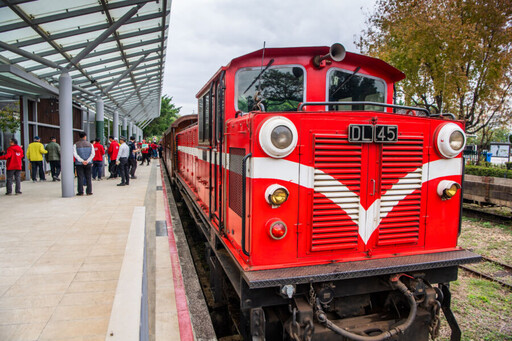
(125, 316)
(184, 320)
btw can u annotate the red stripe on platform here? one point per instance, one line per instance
(185, 325)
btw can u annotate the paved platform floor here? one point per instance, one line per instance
(60, 260)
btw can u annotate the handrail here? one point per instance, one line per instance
(445, 114)
(244, 179)
(395, 106)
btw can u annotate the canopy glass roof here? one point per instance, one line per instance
(125, 68)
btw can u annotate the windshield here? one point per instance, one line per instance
(345, 86)
(281, 88)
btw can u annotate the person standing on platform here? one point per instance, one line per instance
(35, 153)
(13, 156)
(97, 161)
(84, 153)
(145, 151)
(160, 149)
(154, 152)
(113, 150)
(122, 162)
(53, 156)
(132, 159)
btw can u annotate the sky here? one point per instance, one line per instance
(206, 34)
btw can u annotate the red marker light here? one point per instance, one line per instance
(278, 230)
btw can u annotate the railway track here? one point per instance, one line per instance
(487, 216)
(224, 315)
(506, 272)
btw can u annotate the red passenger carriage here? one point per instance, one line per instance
(321, 198)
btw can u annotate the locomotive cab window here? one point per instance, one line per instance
(345, 86)
(279, 88)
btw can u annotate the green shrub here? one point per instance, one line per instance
(488, 171)
(509, 165)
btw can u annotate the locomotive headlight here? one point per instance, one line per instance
(276, 194)
(447, 189)
(457, 140)
(450, 140)
(278, 137)
(281, 137)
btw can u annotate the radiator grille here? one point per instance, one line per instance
(401, 194)
(335, 220)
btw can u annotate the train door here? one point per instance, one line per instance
(399, 212)
(217, 159)
(335, 187)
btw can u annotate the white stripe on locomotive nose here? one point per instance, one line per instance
(441, 168)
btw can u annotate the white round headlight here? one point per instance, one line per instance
(278, 136)
(450, 140)
(281, 137)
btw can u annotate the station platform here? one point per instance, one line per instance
(69, 266)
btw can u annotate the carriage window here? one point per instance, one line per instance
(279, 88)
(200, 108)
(343, 87)
(204, 109)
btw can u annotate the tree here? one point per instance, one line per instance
(10, 117)
(457, 55)
(168, 114)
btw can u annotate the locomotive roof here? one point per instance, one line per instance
(366, 62)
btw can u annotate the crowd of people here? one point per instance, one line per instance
(122, 158)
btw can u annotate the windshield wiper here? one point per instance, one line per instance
(345, 81)
(259, 75)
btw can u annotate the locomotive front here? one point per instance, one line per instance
(340, 208)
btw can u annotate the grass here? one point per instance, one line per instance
(483, 309)
(488, 239)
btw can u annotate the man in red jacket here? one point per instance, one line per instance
(13, 156)
(97, 161)
(112, 151)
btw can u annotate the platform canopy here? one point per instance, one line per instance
(113, 50)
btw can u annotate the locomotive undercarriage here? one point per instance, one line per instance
(375, 303)
(370, 308)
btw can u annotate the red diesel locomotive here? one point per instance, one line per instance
(333, 212)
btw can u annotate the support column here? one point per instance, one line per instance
(85, 122)
(90, 121)
(26, 137)
(36, 119)
(130, 129)
(124, 131)
(66, 134)
(100, 120)
(116, 124)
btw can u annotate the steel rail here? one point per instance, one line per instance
(472, 212)
(503, 265)
(486, 276)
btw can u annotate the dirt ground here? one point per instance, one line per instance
(483, 308)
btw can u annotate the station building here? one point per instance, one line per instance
(93, 267)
